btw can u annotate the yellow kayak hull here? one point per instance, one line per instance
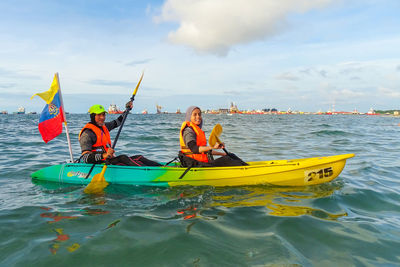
(295, 172)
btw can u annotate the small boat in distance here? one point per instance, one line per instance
(113, 109)
(21, 110)
(159, 110)
(144, 111)
(4, 112)
(372, 112)
(158, 107)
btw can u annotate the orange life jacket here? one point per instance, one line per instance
(103, 139)
(200, 141)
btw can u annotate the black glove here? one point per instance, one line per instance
(128, 105)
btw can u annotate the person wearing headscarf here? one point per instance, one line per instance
(95, 141)
(194, 149)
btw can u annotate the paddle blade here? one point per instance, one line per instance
(137, 86)
(215, 133)
(97, 184)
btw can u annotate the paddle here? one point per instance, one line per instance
(98, 182)
(214, 138)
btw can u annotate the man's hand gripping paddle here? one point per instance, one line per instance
(98, 182)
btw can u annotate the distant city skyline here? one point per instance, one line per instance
(74, 104)
(304, 55)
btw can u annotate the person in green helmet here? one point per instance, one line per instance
(95, 141)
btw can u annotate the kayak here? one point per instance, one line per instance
(294, 172)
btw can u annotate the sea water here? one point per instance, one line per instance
(351, 221)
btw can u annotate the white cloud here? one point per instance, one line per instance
(388, 92)
(287, 76)
(347, 94)
(214, 26)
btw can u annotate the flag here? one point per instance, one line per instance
(52, 116)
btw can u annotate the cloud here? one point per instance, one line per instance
(346, 95)
(306, 71)
(211, 26)
(111, 83)
(5, 72)
(16, 74)
(7, 85)
(139, 62)
(312, 71)
(398, 68)
(354, 68)
(323, 73)
(232, 92)
(388, 92)
(287, 76)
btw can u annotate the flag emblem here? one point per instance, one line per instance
(53, 110)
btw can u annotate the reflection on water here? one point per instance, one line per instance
(61, 238)
(192, 202)
(280, 201)
(55, 216)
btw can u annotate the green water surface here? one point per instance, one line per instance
(352, 221)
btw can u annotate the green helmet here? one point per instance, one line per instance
(97, 109)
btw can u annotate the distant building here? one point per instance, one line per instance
(233, 108)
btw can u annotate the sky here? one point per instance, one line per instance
(305, 55)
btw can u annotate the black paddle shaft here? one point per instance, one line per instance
(233, 156)
(122, 123)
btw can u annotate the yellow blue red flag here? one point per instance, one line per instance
(52, 116)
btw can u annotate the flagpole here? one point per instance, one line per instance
(65, 120)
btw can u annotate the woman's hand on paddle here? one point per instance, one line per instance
(216, 146)
(109, 154)
(219, 145)
(129, 104)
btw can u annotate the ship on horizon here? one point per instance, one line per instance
(159, 110)
(113, 109)
(21, 110)
(371, 111)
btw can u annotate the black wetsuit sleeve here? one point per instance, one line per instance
(92, 158)
(190, 139)
(192, 145)
(114, 123)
